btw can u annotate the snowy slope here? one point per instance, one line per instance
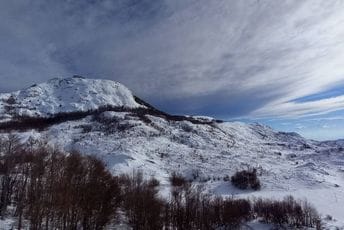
(65, 95)
(202, 149)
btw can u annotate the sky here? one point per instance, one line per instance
(279, 62)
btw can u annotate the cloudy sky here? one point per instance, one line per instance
(272, 61)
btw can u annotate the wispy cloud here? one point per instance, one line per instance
(224, 58)
(331, 118)
(293, 109)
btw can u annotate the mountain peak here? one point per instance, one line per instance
(60, 95)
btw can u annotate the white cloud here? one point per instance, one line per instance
(252, 57)
(331, 118)
(293, 109)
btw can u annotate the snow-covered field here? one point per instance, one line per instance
(287, 163)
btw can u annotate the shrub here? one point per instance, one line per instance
(246, 179)
(153, 182)
(177, 180)
(226, 178)
(286, 212)
(236, 211)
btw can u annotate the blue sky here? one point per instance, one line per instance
(319, 128)
(274, 61)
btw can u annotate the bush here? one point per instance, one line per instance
(236, 211)
(153, 182)
(286, 212)
(246, 179)
(177, 180)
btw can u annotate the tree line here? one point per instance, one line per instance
(24, 122)
(45, 188)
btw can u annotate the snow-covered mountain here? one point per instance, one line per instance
(65, 95)
(104, 118)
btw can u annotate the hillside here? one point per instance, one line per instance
(65, 95)
(129, 134)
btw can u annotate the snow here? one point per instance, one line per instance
(287, 166)
(6, 223)
(287, 163)
(327, 201)
(66, 95)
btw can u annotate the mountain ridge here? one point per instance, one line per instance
(206, 151)
(19, 112)
(60, 95)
